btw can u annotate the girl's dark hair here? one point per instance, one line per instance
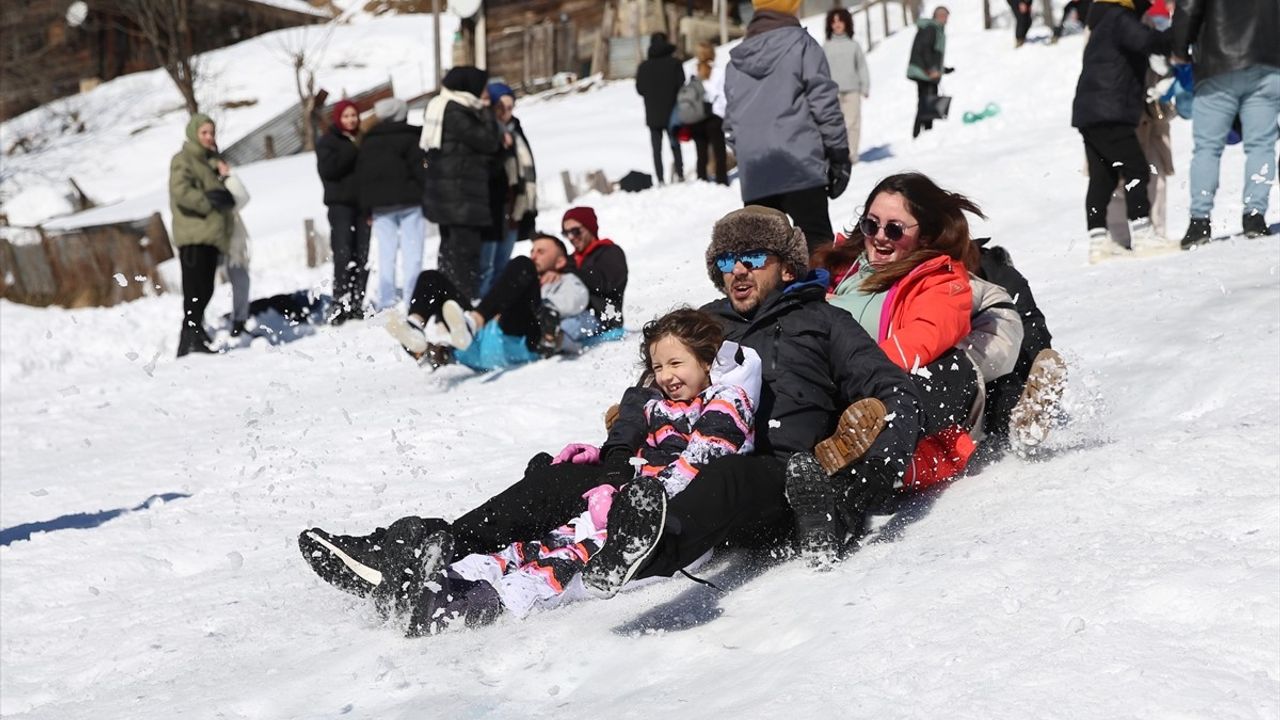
(943, 230)
(699, 331)
(844, 15)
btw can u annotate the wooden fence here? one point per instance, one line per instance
(100, 265)
(880, 8)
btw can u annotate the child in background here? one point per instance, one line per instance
(701, 407)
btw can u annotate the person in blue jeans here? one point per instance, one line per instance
(390, 175)
(1235, 54)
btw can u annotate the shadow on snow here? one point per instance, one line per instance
(78, 521)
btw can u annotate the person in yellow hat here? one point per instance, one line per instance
(782, 116)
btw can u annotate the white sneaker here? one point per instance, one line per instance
(462, 327)
(1145, 240)
(1103, 247)
(408, 333)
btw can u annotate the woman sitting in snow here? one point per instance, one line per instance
(700, 408)
(903, 272)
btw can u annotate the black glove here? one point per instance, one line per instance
(220, 199)
(947, 70)
(838, 176)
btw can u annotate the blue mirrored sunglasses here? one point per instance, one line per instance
(750, 260)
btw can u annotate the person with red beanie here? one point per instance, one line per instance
(602, 265)
(336, 154)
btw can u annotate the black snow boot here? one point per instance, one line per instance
(190, 341)
(1198, 233)
(450, 601)
(412, 557)
(636, 519)
(1254, 225)
(812, 496)
(237, 328)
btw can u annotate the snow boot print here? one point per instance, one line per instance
(860, 424)
(635, 524)
(1040, 406)
(812, 496)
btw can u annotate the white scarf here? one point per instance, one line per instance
(433, 120)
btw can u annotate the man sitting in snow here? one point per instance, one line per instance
(519, 320)
(602, 265)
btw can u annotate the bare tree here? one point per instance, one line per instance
(165, 24)
(303, 49)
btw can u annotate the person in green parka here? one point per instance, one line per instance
(202, 225)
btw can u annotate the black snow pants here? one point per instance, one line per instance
(349, 240)
(1112, 151)
(514, 299)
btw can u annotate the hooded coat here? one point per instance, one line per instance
(658, 81)
(1112, 85)
(459, 171)
(192, 173)
(782, 113)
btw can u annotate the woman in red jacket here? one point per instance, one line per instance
(903, 272)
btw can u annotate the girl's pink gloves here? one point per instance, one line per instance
(578, 454)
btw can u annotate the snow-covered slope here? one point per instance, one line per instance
(1133, 570)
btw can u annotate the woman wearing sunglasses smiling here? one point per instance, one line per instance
(903, 273)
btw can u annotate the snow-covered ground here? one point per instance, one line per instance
(1133, 570)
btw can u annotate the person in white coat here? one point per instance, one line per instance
(237, 257)
(849, 70)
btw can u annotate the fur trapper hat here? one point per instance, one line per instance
(756, 227)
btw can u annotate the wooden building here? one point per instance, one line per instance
(528, 42)
(45, 54)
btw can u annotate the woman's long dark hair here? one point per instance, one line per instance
(844, 15)
(943, 230)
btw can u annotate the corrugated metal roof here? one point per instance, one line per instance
(285, 131)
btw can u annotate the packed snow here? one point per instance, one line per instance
(150, 506)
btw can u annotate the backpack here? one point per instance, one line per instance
(691, 102)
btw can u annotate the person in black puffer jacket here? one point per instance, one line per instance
(390, 175)
(336, 155)
(658, 80)
(462, 143)
(1110, 99)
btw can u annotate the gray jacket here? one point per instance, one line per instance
(783, 113)
(848, 65)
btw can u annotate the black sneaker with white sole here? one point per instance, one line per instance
(636, 519)
(812, 495)
(413, 555)
(352, 563)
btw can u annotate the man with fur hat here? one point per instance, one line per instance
(783, 119)
(822, 375)
(390, 176)
(828, 390)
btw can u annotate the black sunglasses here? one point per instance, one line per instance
(572, 232)
(893, 230)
